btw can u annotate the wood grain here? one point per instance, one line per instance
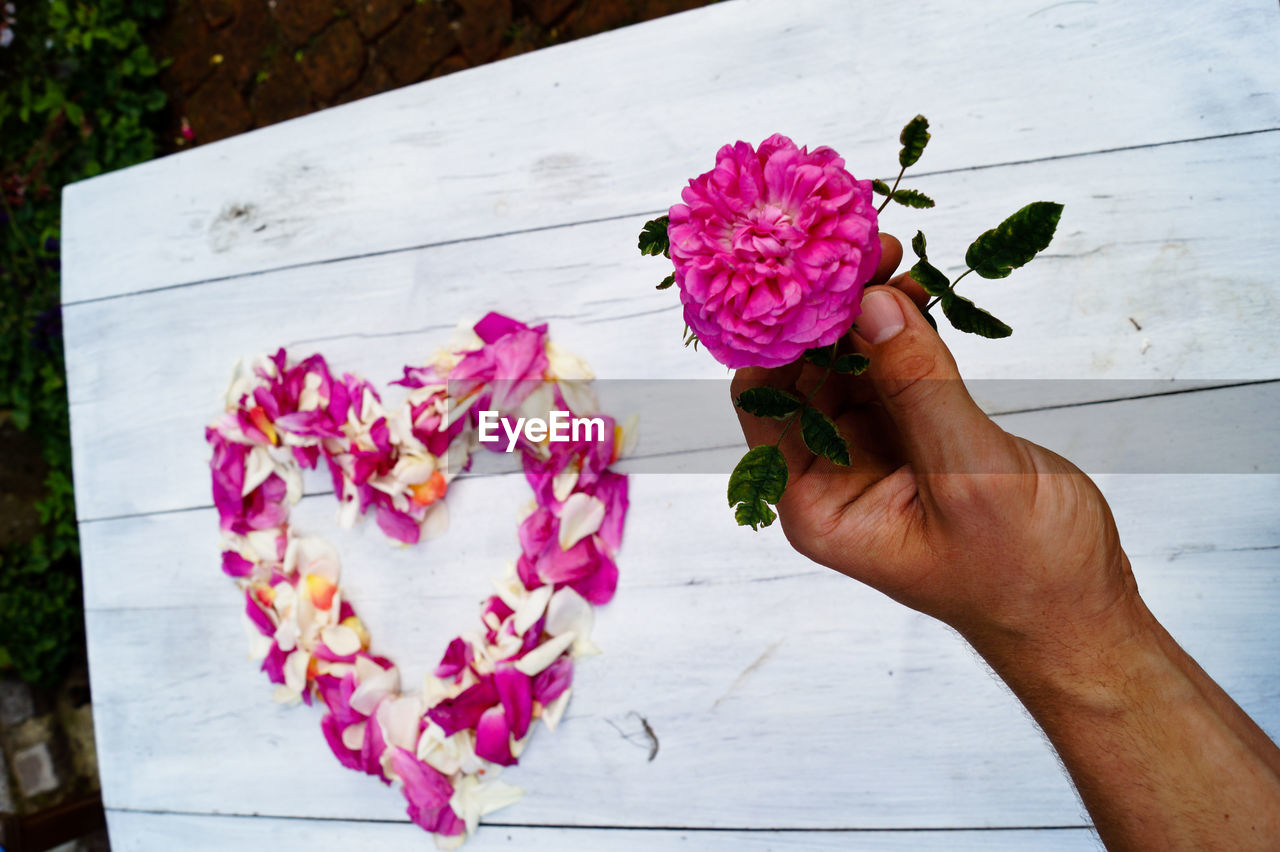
(788, 700)
(777, 672)
(613, 125)
(147, 372)
(135, 832)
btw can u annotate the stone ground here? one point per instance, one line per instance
(240, 64)
(46, 740)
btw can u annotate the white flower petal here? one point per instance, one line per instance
(373, 684)
(580, 517)
(295, 670)
(553, 712)
(257, 469)
(399, 720)
(630, 432)
(567, 610)
(531, 608)
(353, 735)
(415, 469)
(562, 364)
(309, 399)
(348, 514)
(292, 482)
(563, 483)
(340, 640)
(496, 795)
(264, 543)
(286, 635)
(544, 655)
(580, 398)
(436, 522)
(259, 645)
(285, 695)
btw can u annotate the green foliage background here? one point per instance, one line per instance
(78, 97)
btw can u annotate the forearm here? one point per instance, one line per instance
(1162, 757)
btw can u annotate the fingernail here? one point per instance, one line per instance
(881, 318)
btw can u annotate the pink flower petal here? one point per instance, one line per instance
(493, 737)
(332, 730)
(428, 792)
(464, 711)
(553, 680)
(398, 525)
(235, 565)
(455, 660)
(515, 689)
(260, 619)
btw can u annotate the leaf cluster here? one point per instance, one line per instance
(78, 97)
(761, 476)
(914, 137)
(994, 254)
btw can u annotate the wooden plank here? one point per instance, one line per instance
(135, 563)
(613, 125)
(146, 373)
(859, 714)
(140, 832)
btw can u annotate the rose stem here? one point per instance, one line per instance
(809, 398)
(889, 197)
(950, 286)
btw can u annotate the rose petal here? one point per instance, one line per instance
(342, 641)
(493, 737)
(580, 516)
(545, 654)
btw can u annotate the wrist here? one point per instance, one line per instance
(1072, 662)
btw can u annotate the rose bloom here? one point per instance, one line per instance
(772, 249)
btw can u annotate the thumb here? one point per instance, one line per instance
(916, 380)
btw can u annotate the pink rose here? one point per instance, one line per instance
(772, 249)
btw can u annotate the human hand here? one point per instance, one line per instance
(940, 508)
(1015, 548)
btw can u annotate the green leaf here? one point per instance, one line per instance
(912, 198)
(822, 437)
(850, 364)
(965, 316)
(653, 237)
(667, 282)
(913, 138)
(820, 357)
(929, 318)
(918, 244)
(757, 481)
(1015, 241)
(879, 187)
(768, 402)
(928, 276)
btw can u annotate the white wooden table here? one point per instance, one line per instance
(802, 710)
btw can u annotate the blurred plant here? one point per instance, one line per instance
(78, 97)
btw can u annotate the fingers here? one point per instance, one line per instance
(911, 287)
(916, 380)
(890, 257)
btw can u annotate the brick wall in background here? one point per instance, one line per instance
(240, 64)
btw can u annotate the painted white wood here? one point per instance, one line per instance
(1165, 236)
(614, 125)
(169, 560)
(142, 832)
(783, 695)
